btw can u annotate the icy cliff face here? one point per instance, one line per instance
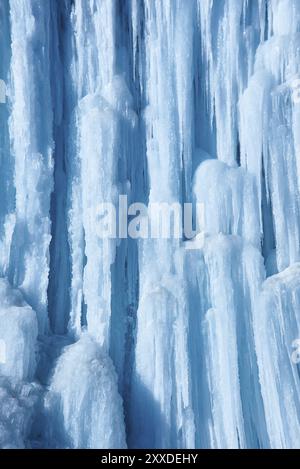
(125, 341)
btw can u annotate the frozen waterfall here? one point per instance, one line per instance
(126, 339)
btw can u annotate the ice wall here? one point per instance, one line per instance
(113, 341)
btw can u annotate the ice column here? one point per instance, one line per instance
(224, 279)
(161, 382)
(104, 121)
(269, 129)
(229, 37)
(7, 216)
(31, 136)
(277, 332)
(18, 347)
(87, 414)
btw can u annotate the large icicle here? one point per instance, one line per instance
(229, 200)
(269, 129)
(276, 328)
(7, 216)
(31, 135)
(224, 280)
(93, 69)
(18, 347)
(229, 42)
(104, 122)
(161, 375)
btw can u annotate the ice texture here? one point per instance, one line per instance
(19, 397)
(19, 402)
(276, 327)
(115, 342)
(18, 334)
(83, 404)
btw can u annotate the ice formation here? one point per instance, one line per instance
(101, 425)
(161, 343)
(19, 397)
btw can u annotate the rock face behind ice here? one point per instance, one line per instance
(83, 403)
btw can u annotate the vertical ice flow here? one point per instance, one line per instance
(108, 342)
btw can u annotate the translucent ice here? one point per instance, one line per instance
(276, 328)
(18, 334)
(83, 403)
(167, 101)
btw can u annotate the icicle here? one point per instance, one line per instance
(269, 127)
(161, 375)
(31, 135)
(228, 51)
(276, 329)
(99, 127)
